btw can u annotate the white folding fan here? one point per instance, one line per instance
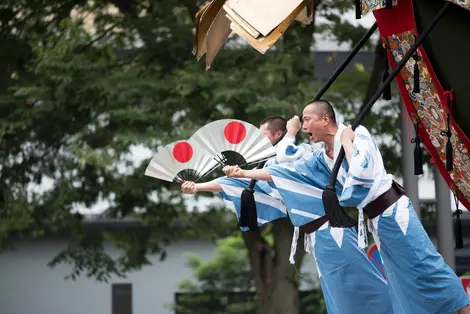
(180, 161)
(236, 142)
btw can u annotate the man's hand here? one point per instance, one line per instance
(233, 171)
(188, 187)
(347, 135)
(293, 126)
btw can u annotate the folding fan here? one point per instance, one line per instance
(233, 142)
(180, 161)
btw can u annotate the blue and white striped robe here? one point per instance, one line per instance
(420, 282)
(269, 204)
(350, 283)
(268, 207)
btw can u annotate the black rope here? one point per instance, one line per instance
(418, 153)
(457, 224)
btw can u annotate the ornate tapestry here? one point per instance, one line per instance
(430, 108)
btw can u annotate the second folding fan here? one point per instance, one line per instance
(180, 161)
(235, 142)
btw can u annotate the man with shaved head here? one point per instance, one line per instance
(419, 279)
(350, 283)
(319, 122)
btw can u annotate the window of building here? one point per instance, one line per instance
(121, 296)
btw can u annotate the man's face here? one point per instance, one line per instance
(314, 124)
(270, 135)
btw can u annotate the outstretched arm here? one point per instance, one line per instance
(189, 187)
(256, 174)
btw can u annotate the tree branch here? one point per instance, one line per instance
(83, 48)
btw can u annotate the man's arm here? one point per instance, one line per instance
(287, 150)
(256, 174)
(348, 149)
(360, 152)
(189, 187)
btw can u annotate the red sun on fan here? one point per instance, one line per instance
(183, 152)
(234, 132)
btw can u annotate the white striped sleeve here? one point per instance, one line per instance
(361, 168)
(287, 150)
(361, 171)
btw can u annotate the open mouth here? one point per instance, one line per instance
(309, 134)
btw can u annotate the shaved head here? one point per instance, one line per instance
(273, 127)
(321, 108)
(319, 121)
(275, 123)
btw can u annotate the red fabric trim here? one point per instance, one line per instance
(395, 20)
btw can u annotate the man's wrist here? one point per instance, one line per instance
(291, 133)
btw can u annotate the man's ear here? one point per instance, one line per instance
(278, 133)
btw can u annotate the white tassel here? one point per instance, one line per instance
(373, 229)
(361, 231)
(307, 245)
(310, 243)
(293, 247)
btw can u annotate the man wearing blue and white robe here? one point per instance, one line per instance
(419, 280)
(350, 283)
(269, 204)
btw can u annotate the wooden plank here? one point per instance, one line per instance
(207, 18)
(216, 36)
(306, 15)
(198, 19)
(264, 15)
(234, 17)
(262, 44)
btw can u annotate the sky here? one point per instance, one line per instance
(426, 182)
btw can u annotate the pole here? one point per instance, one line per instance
(410, 180)
(444, 224)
